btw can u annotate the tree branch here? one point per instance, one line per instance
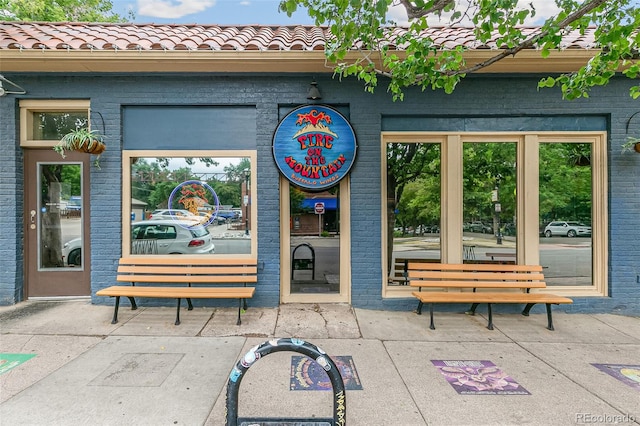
(531, 41)
(414, 12)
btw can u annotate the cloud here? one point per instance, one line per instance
(544, 9)
(398, 14)
(172, 9)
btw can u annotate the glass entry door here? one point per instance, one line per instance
(315, 246)
(56, 230)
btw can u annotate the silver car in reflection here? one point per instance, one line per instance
(159, 236)
(569, 229)
(72, 252)
(163, 236)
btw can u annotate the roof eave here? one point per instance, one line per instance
(55, 61)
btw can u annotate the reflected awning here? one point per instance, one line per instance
(329, 203)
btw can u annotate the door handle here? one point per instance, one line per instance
(33, 213)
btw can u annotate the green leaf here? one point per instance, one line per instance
(429, 65)
(547, 82)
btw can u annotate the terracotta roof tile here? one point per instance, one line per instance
(153, 37)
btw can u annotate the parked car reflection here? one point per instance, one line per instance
(172, 214)
(569, 229)
(72, 253)
(159, 236)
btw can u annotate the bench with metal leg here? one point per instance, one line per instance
(200, 278)
(481, 283)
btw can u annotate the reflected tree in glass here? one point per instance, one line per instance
(154, 179)
(489, 167)
(566, 195)
(58, 182)
(565, 182)
(413, 188)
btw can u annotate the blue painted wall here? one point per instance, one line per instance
(478, 102)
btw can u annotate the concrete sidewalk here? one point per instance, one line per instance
(147, 371)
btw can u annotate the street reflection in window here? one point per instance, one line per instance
(413, 207)
(183, 205)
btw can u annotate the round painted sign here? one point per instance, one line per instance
(314, 147)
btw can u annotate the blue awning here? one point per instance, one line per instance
(329, 203)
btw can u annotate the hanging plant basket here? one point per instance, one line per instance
(632, 144)
(81, 140)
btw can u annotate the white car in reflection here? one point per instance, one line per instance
(72, 252)
(569, 229)
(170, 237)
(159, 236)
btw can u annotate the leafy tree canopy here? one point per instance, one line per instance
(427, 64)
(60, 11)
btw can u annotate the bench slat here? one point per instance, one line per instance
(495, 276)
(185, 260)
(194, 279)
(473, 267)
(487, 297)
(179, 292)
(477, 284)
(185, 270)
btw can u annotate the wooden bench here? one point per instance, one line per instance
(400, 273)
(226, 273)
(505, 255)
(497, 283)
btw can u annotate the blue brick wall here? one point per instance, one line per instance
(477, 96)
(11, 205)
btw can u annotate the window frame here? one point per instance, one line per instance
(29, 107)
(127, 156)
(527, 212)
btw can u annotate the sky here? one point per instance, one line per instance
(223, 12)
(242, 12)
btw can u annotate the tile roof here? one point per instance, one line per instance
(68, 36)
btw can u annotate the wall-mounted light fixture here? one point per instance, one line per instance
(314, 92)
(4, 91)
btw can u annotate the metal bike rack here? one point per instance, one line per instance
(292, 345)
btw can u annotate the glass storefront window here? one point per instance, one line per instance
(525, 198)
(315, 240)
(413, 207)
(190, 205)
(54, 125)
(566, 201)
(489, 202)
(60, 215)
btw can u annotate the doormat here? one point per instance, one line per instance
(628, 374)
(306, 374)
(469, 377)
(8, 361)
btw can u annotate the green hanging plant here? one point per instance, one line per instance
(632, 144)
(82, 140)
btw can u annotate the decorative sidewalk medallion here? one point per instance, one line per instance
(628, 374)
(314, 147)
(8, 361)
(306, 374)
(469, 377)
